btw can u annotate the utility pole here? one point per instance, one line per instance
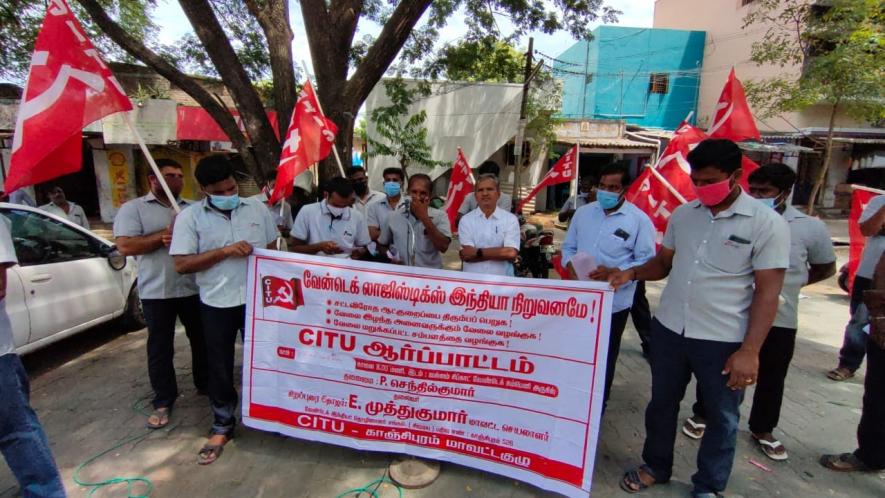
(586, 75)
(520, 127)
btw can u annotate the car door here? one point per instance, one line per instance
(16, 308)
(65, 275)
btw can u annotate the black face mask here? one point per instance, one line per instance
(360, 188)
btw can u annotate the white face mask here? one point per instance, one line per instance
(335, 210)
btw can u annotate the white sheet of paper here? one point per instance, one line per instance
(583, 264)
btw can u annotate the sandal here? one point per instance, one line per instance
(162, 417)
(773, 448)
(632, 480)
(840, 374)
(846, 462)
(694, 427)
(209, 453)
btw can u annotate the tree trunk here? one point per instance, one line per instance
(265, 144)
(187, 84)
(273, 16)
(825, 164)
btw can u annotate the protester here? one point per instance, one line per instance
(61, 206)
(586, 195)
(870, 452)
(872, 226)
(640, 312)
(505, 201)
(811, 260)
(364, 195)
(143, 228)
(212, 239)
(331, 227)
(725, 254)
(378, 211)
(489, 235)
(617, 235)
(22, 439)
(417, 234)
(21, 197)
(281, 213)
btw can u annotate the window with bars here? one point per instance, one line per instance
(659, 83)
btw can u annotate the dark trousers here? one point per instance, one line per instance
(641, 314)
(618, 324)
(774, 362)
(22, 439)
(854, 343)
(674, 358)
(160, 315)
(871, 431)
(221, 326)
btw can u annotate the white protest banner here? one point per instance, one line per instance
(496, 373)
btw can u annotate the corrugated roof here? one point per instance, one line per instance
(611, 143)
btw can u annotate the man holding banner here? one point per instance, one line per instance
(725, 255)
(617, 235)
(212, 239)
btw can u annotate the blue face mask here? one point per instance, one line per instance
(769, 201)
(225, 202)
(607, 200)
(392, 189)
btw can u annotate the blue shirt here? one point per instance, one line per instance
(201, 228)
(622, 239)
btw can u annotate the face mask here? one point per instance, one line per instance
(360, 188)
(608, 200)
(714, 194)
(225, 202)
(392, 189)
(771, 202)
(335, 210)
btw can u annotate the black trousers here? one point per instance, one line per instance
(222, 325)
(641, 314)
(871, 431)
(160, 315)
(774, 362)
(618, 324)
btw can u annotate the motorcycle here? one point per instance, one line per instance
(535, 252)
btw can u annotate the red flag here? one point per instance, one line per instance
(653, 197)
(857, 241)
(563, 171)
(308, 140)
(460, 186)
(68, 87)
(733, 119)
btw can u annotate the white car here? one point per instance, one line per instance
(67, 280)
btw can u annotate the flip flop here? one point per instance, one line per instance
(840, 374)
(209, 453)
(162, 415)
(693, 429)
(846, 462)
(632, 478)
(774, 450)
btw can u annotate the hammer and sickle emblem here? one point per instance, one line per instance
(285, 295)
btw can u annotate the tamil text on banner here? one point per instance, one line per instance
(859, 200)
(496, 373)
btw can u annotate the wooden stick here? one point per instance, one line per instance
(144, 150)
(867, 189)
(667, 184)
(320, 106)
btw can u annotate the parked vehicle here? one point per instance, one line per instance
(68, 279)
(536, 251)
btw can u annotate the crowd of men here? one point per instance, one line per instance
(734, 261)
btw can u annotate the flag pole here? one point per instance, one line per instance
(867, 189)
(334, 149)
(150, 159)
(667, 184)
(573, 189)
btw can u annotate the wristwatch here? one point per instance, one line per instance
(479, 254)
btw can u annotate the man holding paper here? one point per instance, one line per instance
(607, 235)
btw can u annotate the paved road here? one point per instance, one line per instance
(85, 387)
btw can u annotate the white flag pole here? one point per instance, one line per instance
(150, 159)
(334, 149)
(667, 184)
(573, 190)
(867, 189)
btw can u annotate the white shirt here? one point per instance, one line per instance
(315, 224)
(363, 205)
(809, 244)
(7, 255)
(501, 229)
(574, 202)
(283, 219)
(75, 213)
(875, 244)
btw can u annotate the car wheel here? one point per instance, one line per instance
(133, 317)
